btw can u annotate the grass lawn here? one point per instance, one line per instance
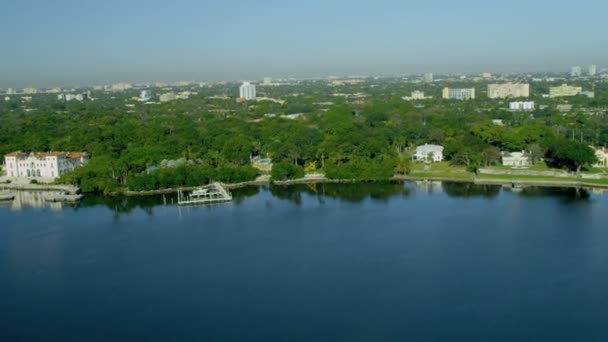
(440, 170)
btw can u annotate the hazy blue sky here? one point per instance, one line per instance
(66, 42)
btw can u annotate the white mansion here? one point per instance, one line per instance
(425, 151)
(43, 164)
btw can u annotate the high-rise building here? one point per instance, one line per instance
(501, 91)
(247, 91)
(564, 90)
(459, 94)
(592, 70)
(428, 77)
(10, 91)
(576, 71)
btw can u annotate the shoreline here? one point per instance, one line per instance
(479, 180)
(483, 179)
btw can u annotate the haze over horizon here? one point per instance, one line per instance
(66, 44)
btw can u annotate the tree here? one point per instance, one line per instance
(536, 152)
(285, 170)
(571, 154)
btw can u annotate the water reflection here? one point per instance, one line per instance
(471, 190)
(348, 192)
(31, 199)
(565, 194)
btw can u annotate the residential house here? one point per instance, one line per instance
(48, 165)
(516, 159)
(602, 156)
(425, 151)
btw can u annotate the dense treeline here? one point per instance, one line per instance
(351, 139)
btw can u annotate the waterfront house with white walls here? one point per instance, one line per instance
(48, 165)
(424, 151)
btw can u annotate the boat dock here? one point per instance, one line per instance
(209, 194)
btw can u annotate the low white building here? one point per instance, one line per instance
(602, 156)
(417, 95)
(516, 159)
(424, 151)
(48, 165)
(521, 105)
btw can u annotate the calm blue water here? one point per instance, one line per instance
(353, 262)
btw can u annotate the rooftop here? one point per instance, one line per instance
(426, 148)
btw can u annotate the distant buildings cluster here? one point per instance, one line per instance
(577, 71)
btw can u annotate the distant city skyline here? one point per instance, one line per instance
(63, 43)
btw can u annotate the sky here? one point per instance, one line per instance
(70, 43)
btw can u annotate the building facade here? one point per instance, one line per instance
(564, 90)
(43, 164)
(502, 91)
(522, 105)
(428, 77)
(516, 159)
(576, 71)
(425, 151)
(459, 94)
(247, 91)
(601, 153)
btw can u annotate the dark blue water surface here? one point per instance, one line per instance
(350, 262)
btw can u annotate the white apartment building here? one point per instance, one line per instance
(576, 71)
(564, 90)
(43, 164)
(247, 91)
(502, 91)
(428, 77)
(458, 94)
(522, 105)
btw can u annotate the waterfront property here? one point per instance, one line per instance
(50, 165)
(429, 152)
(516, 159)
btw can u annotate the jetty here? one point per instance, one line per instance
(65, 188)
(209, 194)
